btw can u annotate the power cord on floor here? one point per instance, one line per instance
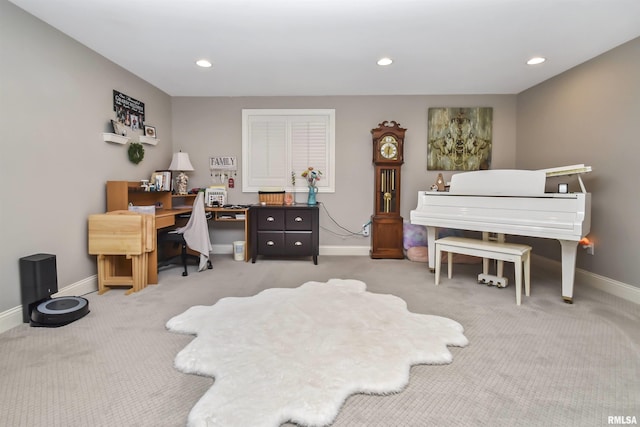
(349, 232)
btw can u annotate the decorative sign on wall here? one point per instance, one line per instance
(223, 168)
(223, 163)
(459, 139)
(129, 111)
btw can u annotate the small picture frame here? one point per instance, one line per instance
(119, 128)
(563, 188)
(149, 131)
(162, 180)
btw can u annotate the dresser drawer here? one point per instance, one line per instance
(270, 219)
(271, 243)
(298, 243)
(299, 220)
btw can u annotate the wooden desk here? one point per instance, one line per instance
(121, 193)
(219, 215)
(229, 215)
(167, 217)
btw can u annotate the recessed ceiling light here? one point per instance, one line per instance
(536, 60)
(385, 61)
(203, 63)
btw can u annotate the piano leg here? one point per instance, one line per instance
(569, 251)
(431, 239)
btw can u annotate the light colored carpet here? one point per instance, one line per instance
(297, 354)
(544, 363)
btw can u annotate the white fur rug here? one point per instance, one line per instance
(297, 354)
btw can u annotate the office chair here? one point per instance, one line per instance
(194, 235)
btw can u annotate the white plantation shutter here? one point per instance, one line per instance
(277, 142)
(267, 151)
(309, 138)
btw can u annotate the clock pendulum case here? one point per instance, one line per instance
(386, 222)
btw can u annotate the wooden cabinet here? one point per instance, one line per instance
(284, 231)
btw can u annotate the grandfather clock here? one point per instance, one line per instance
(386, 222)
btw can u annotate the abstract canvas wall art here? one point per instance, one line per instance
(459, 139)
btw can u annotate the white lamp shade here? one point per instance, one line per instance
(181, 162)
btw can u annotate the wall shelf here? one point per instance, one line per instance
(148, 140)
(112, 137)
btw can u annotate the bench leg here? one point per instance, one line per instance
(438, 264)
(518, 268)
(449, 265)
(527, 274)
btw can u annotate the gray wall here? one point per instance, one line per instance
(206, 127)
(55, 102)
(590, 115)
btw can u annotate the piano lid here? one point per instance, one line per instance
(511, 182)
(569, 170)
(499, 182)
(566, 170)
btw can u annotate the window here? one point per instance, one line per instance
(276, 143)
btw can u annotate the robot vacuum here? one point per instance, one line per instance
(59, 311)
(39, 280)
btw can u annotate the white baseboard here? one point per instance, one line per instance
(610, 286)
(345, 250)
(82, 287)
(605, 284)
(222, 249)
(13, 317)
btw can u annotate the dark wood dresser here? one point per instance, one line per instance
(284, 231)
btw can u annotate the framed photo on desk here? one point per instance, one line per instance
(162, 180)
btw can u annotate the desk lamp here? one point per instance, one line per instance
(180, 162)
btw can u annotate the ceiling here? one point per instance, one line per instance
(330, 47)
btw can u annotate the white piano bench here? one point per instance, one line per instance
(520, 255)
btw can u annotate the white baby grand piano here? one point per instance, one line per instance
(511, 202)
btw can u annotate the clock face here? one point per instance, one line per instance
(389, 147)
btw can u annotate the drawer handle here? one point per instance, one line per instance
(270, 219)
(270, 243)
(298, 243)
(298, 219)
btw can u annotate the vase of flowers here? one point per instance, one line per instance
(312, 176)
